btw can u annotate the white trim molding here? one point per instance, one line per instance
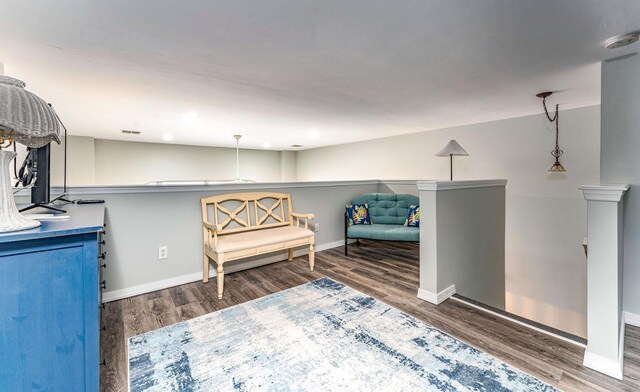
(115, 295)
(437, 298)
(399, 182)
(515, 321)
(449, 185)
(632, 319)
(605, 365)
(613, 192)
(130, 189)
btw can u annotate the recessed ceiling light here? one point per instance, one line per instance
(128, 132)
(313, 134)
(266, 145)
(622, 40)
(296, 145)
(167, 137)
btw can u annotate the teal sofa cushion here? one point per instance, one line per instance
(379, 231)
(387, 208)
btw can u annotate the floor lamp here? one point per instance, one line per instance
(452, 148)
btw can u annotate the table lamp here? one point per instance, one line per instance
(452, 148)
(26, 119)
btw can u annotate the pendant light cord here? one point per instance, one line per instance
(557, 152)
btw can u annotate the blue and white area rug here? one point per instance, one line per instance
(321, 336)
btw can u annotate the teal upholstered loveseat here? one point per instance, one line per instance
(388, 212)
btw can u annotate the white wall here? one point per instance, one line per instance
(620, 163)
(110, 162)
(80, 161)
(546, 213)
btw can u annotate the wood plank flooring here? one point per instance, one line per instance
(386, 271)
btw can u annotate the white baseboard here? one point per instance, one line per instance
(115, 295)
(605, 365)
(437, 298)
(632, 319)
(515, 321)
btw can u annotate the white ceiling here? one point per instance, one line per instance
(305, 71)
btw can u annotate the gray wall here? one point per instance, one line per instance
(462, 242)
(546, 273)
(620, 162)
(471, 243)
(143, 218)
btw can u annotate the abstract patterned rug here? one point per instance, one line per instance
(320, 336)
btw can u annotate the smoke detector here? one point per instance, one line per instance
(622, 40)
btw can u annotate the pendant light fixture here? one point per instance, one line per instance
(237, 137)
(557, 152)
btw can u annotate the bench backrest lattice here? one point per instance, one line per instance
(247, 211)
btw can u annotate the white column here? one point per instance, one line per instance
(462, 238)
(605, 324)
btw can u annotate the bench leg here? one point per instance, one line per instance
(290, 255)
(220, 278)
(205, 269)
(312, 257)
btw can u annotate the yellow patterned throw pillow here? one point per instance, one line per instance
(358, 214)
(413, 217)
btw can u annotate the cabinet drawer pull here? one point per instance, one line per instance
(103, 284)
(102, 306)
(103, 255)
(103, 242)
(103, 363)
(103, 328)
(103, 265)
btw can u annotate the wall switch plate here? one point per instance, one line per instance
(316, 227)
(163, 253)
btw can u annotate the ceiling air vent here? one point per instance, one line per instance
(296, 145)
(128, 132)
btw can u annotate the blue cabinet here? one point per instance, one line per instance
(49, 297)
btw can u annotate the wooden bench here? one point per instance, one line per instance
(241, 225)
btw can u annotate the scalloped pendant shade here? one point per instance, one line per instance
(557, 168)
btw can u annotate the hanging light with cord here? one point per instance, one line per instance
(557, 152)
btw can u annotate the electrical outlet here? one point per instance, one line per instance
(163, 252)
(316, 227)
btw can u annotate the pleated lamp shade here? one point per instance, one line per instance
(29, 119)
(452, 148)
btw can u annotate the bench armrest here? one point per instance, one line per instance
(297, 216)
(306, 216)
(211, 234)
(211, 226)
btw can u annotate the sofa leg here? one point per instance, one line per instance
(205, 269)
(290, 255)
(358, 241)
(312, 257)
(220, 277)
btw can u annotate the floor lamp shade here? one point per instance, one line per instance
(27, 119)
(449, 150)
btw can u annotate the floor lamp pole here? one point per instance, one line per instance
(451, 165)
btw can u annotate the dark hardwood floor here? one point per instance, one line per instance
(386, 271)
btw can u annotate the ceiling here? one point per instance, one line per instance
(305, 72)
